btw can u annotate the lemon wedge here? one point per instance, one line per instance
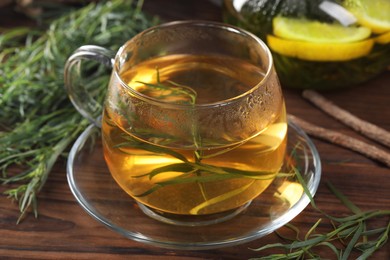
(317, 32)
(314, 51)
(374, 14)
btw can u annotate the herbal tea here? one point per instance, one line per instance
(190, 161)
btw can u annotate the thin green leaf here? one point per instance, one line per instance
(175, 167)
(332, 247)
(374, 231)
(183, 179)
(290, 226)
(312, 229)
(219, 198)
(304, 186)
(268, 174)
(353, 241)
(343, 199)
(197, 178)
(151, 148)
(151, 190)
(270, 246)
(366, 254)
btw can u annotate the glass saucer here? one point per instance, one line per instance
(98, 194)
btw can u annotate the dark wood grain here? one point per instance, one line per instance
(65, 231)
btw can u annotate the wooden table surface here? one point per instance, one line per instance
(65, 231)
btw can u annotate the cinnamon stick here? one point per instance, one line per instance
(343, 140)
(369, 130)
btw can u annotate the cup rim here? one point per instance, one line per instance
(203, 23)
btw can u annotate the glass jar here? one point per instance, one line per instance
(319, 44)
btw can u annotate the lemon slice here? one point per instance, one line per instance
(374, 14)
(383, 38)
(314, 31)
(314, 51)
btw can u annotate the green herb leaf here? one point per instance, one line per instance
(133, 143)
(176, 167)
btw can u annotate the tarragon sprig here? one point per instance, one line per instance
(192, 171)
(37, 121)
(174, 89)
(206, 172)
(350, 232)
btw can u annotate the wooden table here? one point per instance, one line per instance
(64, 231)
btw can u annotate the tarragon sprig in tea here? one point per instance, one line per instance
(174, 89)
(37, 121)
(193, 171)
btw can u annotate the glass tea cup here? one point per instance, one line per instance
(194, 121)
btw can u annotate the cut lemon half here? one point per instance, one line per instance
(374, 14)
(314, 51)
(317, 32)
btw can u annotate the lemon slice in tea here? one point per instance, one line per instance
(314, 51)
(314, 31)
(374, 14)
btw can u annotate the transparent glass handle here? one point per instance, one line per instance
(83, 101)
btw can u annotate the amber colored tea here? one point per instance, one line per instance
(196, 168)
